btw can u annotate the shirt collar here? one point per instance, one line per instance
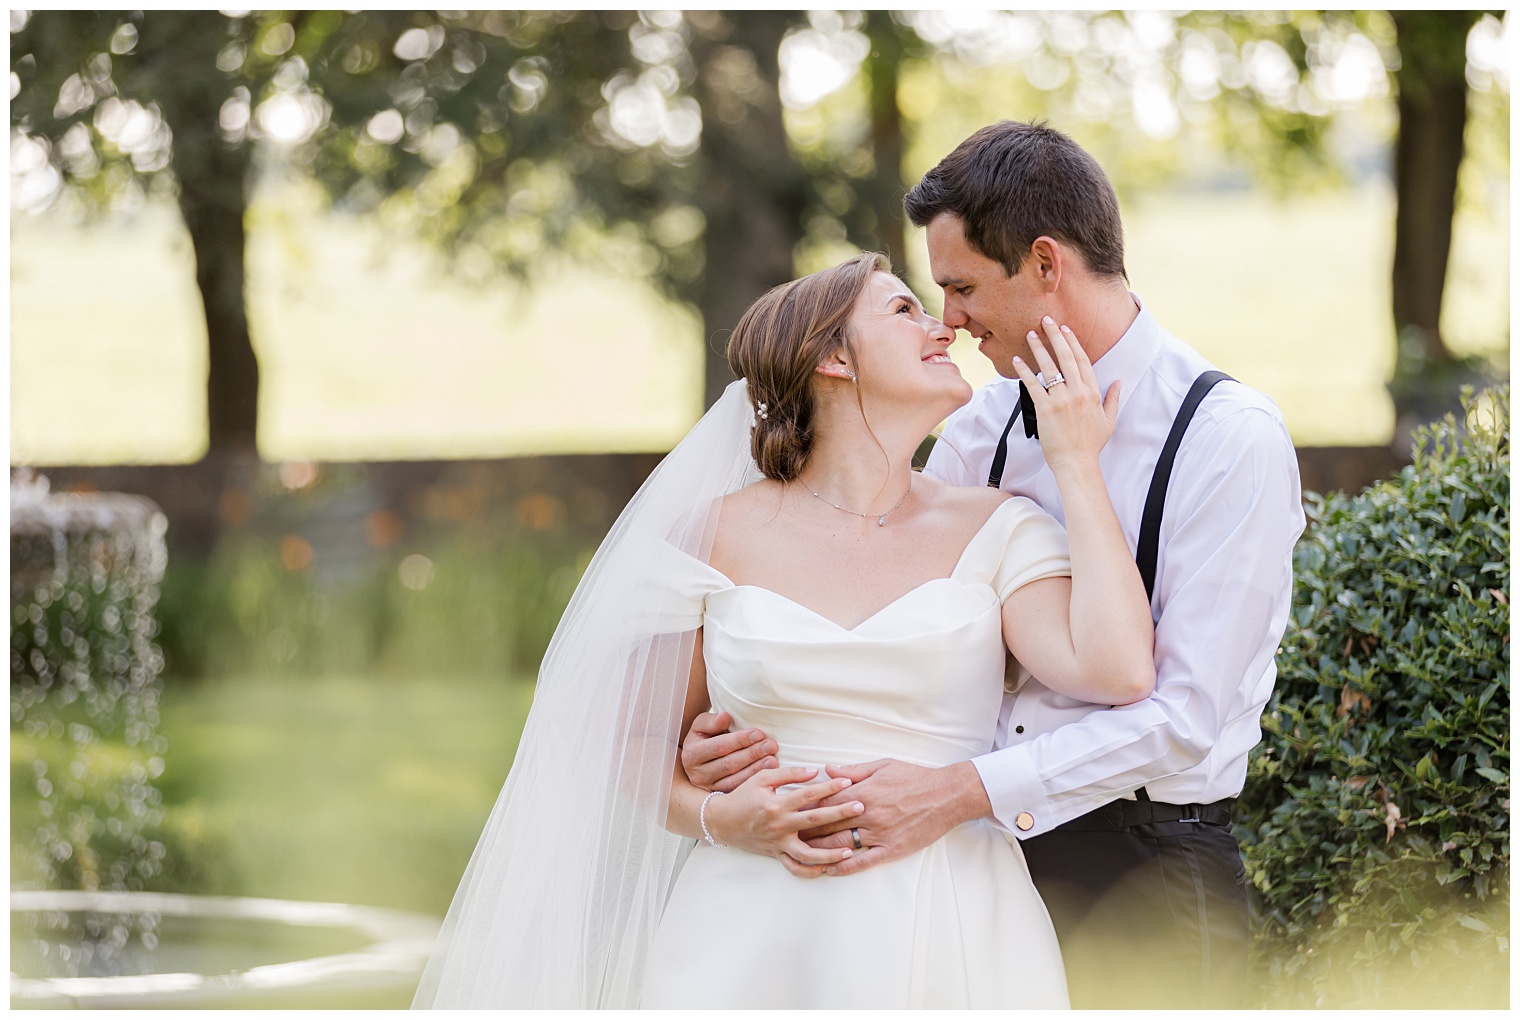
(1129, 359)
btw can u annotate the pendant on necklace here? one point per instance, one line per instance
(881, 521)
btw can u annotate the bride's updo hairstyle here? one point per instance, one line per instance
(780, 342)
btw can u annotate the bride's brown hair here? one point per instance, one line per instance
(780, 341)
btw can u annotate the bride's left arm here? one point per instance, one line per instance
(1089, 636)
(1088, 649)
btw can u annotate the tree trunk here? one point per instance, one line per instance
(885, 188)
(753, 191)
(1432, 106)
(232, 381)
(213, 179)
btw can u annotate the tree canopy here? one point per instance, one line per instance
(709, 152)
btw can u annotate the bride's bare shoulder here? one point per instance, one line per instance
(758, 497)
(971, 504)
(742, 519)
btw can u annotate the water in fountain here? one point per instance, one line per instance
(85, 574)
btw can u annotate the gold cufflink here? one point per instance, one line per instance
(1024, 820)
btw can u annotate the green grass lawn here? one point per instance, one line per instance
(337, 789)
(334, 789)
(375, 792)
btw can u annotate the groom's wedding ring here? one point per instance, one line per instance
(855, 838)
(1055, 378)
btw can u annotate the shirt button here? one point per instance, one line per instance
(1024, 820)
(1018, 729)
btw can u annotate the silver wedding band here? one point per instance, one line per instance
(855, 838)
(1053, 380)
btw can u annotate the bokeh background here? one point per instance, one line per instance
(390, 312)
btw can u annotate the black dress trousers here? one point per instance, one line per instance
(1149, 904)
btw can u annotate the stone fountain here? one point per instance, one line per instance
(85, 693)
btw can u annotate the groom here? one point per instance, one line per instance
(1123, 814)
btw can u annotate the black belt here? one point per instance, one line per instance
(1126, 814)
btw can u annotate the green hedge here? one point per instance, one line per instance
(1375, 819)
(484, 601)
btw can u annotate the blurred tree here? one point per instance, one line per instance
(119, 97)
(879, 216)
(659, 144)
(753, 192)
(1432, 105)
(1425, 55)
(654, 143)
(506, 136)
(1195, 96)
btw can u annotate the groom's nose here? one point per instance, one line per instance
(955, 316)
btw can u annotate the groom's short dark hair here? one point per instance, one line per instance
(1011, 182)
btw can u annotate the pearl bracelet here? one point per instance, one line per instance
(702, 817)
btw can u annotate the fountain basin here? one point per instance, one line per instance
(219, 952)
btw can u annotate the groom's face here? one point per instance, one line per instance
(981, 298)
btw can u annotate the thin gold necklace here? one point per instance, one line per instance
(881, 519)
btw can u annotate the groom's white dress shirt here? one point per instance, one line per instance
(1223, 585)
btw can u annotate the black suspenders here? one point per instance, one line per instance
(995, 476)
(1149, 542)
(1155, 500)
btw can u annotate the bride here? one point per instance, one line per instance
(784, 564)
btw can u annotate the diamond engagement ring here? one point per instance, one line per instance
(1056, 378)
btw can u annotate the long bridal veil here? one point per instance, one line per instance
(561, 898)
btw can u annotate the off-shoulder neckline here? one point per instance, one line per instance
(1002, 508)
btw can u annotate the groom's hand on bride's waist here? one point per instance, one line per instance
(907, 808)
(715, 759)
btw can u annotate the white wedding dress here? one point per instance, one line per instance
(957, 924)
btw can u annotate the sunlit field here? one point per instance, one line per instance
(366, 351)
(371, 791)
(369, 351)
(391, 781)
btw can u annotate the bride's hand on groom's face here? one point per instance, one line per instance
(715, 759)
(1075, 418)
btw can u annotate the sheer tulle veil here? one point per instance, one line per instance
(561, 898)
